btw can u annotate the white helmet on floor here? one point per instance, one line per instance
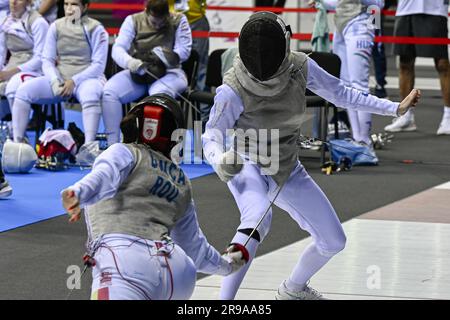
(18, 157)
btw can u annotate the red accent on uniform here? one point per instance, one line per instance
(23, 76)
(103, 293)
(155, 113)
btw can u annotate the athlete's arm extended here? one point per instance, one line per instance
(334, 90)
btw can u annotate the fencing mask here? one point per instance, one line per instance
(264, 43)
(152, 121)
(18, 157)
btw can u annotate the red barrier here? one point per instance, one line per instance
(138, 7)
(308, 36)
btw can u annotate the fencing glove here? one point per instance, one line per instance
(237, 256)
(230, 164)
(134, 65)
(57, 87)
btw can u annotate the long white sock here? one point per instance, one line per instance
(112, 115)
(446, 112)
(309, 263)
(231, 283)
(365, 126)
(410, 114)
(354, 123)
(91, 118)
(20, 115)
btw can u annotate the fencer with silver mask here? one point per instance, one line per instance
(141, 218)
(74, 61)
(265, 89)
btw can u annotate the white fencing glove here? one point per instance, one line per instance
(57, 87)
(230, 164)
(134, 65)
(237, 256)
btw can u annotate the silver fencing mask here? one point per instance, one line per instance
(263, 44)
(18, 157)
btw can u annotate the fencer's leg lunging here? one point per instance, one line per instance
(309, 207)
(249, 189)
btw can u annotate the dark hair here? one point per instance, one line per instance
(158, 8)
(85, 2)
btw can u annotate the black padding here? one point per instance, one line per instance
(249, 231)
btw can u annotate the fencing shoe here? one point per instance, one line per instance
(444, 127)
(5, 189)
(307, 293)
(404, 123)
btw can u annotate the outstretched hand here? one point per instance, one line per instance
(71, 204)
(410, 101)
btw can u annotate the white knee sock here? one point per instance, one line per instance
(91, 118)
(354, 123)
(20, 116)
(410, 114)
(446, 112)
(365, 126)
(309, 263)
(231, 283)
(112, 115)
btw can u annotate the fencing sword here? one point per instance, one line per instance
(265, 213)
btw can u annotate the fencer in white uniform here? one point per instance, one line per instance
(22, 33)
(152, 37)
(143, 231)
(74, 60)
(265, 89)
(353, 42)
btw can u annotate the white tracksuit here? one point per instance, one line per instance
(354, 47)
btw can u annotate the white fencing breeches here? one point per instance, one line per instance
(128, 268)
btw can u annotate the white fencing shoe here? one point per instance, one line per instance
(403, 123)
(307, 293)
(444, 127)
(5, 189)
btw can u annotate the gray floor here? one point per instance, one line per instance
(35, 258)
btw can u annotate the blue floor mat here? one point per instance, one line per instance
(36, 195)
